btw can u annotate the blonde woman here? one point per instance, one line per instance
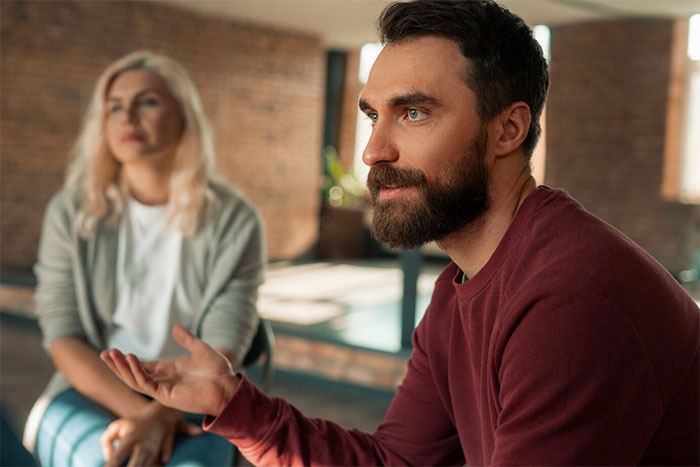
(142, 236)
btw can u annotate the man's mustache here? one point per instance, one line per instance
(384, 175)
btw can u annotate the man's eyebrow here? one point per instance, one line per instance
(364, 105)
(414, 98)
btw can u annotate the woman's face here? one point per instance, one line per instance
(143, 121)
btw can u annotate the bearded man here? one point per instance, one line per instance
(551, 338)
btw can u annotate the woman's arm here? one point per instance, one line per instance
(145, 429)
(66, 341)
(81, 366)
(57, 306)
(230, 320)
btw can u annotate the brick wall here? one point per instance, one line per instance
(261, 88)
(348, 117)
(606, 129)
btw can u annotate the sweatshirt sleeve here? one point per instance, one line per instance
(270, 431)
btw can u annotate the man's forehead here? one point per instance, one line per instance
(428, 65)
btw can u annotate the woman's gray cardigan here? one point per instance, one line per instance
(75, 293)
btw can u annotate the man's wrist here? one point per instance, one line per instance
(229, 384)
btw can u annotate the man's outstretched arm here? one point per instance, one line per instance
(205, 383)
(269, 431)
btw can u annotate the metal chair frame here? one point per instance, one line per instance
(263, 343)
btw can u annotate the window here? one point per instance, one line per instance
(690, 148)
(539, 155)
(682, 159)
(368, 55)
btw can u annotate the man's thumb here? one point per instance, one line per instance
(185, 338)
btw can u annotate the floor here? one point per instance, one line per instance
(351, 303)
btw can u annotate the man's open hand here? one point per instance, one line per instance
(200, 383)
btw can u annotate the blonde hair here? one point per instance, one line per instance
(95, 173)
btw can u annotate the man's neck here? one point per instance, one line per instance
(472, 246)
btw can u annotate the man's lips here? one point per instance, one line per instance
(392, 191)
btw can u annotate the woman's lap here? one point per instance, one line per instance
(70, 431)
(206, 449)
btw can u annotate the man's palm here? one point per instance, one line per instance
(200, 383)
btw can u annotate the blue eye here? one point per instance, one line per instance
(115, 108)
(415, 114)
(372, 118)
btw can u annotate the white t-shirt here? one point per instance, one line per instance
(155, 287)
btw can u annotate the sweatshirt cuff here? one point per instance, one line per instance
(246, 418)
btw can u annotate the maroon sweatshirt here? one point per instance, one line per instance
(571, 346)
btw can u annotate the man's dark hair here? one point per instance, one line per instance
(506, 64)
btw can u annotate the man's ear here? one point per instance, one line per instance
(512, 126)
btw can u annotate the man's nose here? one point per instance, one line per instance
(380, 147)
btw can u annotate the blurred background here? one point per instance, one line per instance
(279, 80)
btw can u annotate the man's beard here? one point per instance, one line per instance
(458, 197)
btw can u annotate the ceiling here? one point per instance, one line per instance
(351, 23)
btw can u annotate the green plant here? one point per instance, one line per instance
(341, 187)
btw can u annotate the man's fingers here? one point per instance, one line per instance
(187, 340)
(142, 382)
(121, 367)
(107, 359)
(111, 358)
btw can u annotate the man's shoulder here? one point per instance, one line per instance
(562, 249)
(572, 262)
(560, 235)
